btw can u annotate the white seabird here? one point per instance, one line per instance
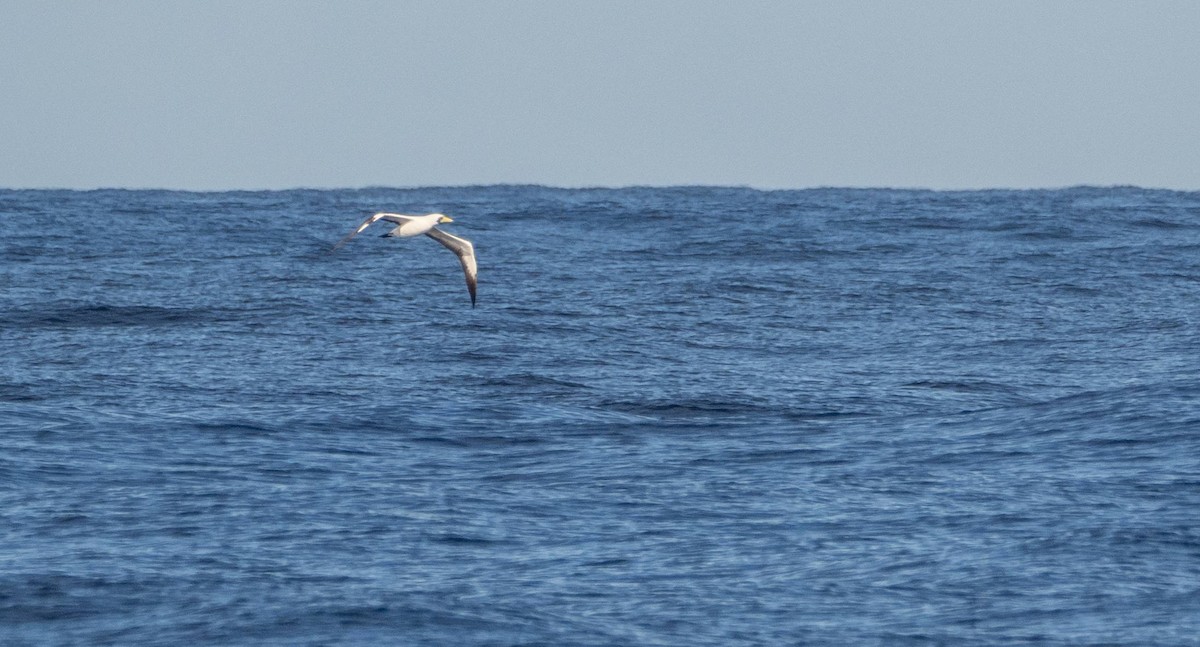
(415, 226)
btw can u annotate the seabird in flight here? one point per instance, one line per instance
(415, 226)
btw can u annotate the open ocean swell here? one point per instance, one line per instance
(679, 416)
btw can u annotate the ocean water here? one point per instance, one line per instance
(678, 416)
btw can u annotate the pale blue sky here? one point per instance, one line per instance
(265, 94)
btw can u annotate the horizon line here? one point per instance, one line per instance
(602, 187)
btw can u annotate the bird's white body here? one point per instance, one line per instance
(416, 226)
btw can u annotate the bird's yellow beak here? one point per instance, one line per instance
(445, 219)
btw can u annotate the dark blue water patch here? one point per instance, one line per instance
(1164, 223)
(18, 392)
(70, 315)
(520, 380)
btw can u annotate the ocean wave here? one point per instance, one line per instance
(70, 315)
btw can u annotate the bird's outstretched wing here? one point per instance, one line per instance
(465, 252)
(397, 218)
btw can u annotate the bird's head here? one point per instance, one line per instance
(442, 219)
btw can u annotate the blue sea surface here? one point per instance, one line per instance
(678, 416)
